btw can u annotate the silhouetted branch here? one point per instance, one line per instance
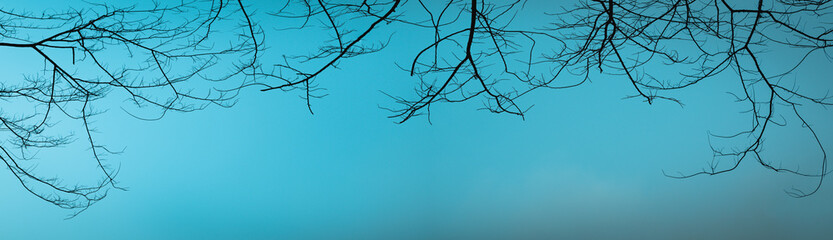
(155, 54)
(473, 51)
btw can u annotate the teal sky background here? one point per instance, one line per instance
(584, 164)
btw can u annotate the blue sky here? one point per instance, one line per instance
(583, 164)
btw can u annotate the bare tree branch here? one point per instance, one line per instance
(155, 54)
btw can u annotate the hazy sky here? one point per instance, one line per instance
(584, 164)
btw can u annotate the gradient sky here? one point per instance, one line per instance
(584, 164)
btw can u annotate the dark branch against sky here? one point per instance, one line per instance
(188, 56)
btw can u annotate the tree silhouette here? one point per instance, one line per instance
(660, 47)
(159, 56)
(468, 50)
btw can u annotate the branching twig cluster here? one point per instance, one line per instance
(463, 50)
(153, 54)
(472, 51)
